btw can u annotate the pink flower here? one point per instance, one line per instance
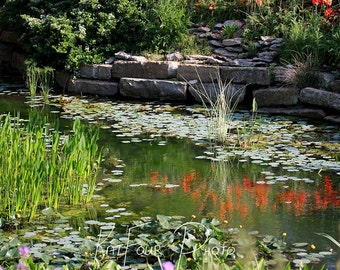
(24, 252)
(22, 266)
(168, 265)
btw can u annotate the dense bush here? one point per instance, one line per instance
(66, 34)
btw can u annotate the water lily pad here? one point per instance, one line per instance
(301, 244)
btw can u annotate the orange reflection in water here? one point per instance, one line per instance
(249, 195)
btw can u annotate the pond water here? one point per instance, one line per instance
(159, 160)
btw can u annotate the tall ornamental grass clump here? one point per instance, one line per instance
(41, 168)
(220, 101)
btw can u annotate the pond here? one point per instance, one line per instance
(158, 159)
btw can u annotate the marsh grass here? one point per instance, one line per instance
(41, 168)
(32, 78)
(220, 102)
(249, 134)
(44, 77)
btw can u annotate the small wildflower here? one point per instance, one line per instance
(212, 6)
(312, 246)
(225, 221)
(284, 234)
(241, 226)
(24, 252)
(22, 266)
(193, 216)
(168, 265)
(328, 13)
(10, 238)
(189, 259)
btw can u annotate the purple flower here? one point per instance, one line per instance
(24, 252)
(22, 266)
(168, 265)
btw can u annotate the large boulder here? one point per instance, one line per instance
(153, 89)
(209, 92)
(146, 70)
(301, 112)
(201, 73)
(275, 96)
(320, 97)
(97, 72)
(246, 75)
(101, 88)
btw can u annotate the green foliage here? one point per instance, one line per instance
(210, 12)
(68, 34)
(41, 168)
(305, 29)
(229, 30)
(167, 24)
(36, 75)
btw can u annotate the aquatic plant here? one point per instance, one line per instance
(246, 134)
(32, 77)
(330, 238)
(166, 243)
(36, 75)
(220, 102)
(46, 77)
(42, 168)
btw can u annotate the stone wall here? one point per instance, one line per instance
(182, 81)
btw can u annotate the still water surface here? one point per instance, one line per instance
(272, 191)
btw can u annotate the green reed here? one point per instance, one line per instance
(32, 78)
(46, 77)
(41, 168)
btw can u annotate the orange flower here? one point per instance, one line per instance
(328, 2)
(317, 2)
(212, 6)
(328, 13)
(259, 2)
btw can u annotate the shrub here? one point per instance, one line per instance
(68, 33)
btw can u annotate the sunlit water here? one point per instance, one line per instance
(273, 190)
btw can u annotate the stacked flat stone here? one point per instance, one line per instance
(234, 51)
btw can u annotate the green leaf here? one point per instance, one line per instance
(163, 221)
(47, 212)
(181, 264)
